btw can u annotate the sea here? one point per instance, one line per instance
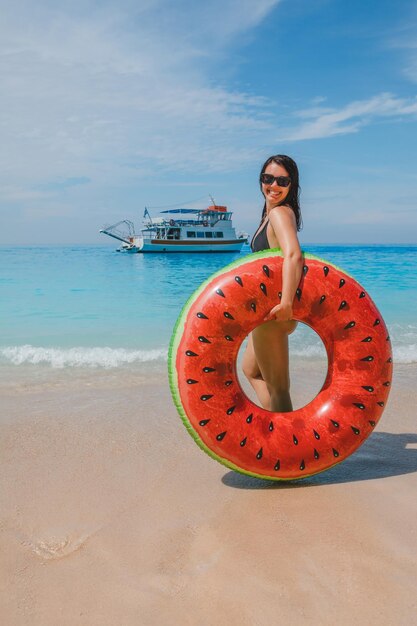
(79, 307)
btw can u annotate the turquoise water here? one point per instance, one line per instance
(91, 306)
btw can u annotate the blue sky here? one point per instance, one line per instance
(111, 107)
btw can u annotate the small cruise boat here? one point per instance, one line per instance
(181, 230)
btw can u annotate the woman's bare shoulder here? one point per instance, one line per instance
(282, 211)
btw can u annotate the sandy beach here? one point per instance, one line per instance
(111, 515)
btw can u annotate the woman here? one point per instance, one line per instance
(266, 360)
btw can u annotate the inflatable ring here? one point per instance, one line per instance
(225, 422)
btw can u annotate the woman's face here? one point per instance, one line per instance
(274, 194)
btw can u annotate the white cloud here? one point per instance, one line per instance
(404, 38)
(351, 117)
(93, 90)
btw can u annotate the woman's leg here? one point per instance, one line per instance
(252, 372)
(270, 345)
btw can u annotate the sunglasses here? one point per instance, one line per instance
(282, 181)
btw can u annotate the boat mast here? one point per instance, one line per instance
(146, 213)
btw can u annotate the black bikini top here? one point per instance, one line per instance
(260, 239)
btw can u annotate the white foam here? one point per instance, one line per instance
(79, 357)
(312, 351)
(405, 354)
(118, 357)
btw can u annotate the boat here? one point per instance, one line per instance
(180, 230)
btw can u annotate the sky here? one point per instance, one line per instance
(110, 107)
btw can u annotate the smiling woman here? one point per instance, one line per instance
(266, 360)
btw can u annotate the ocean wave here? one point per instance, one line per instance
(405, 354)
(106, 357)
(80, 357)
(309, 351)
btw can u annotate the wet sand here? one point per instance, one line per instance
(111, 515)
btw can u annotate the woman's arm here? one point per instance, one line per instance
(283, 223)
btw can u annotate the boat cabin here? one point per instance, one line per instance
(195, 224)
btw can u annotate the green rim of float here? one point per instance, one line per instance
(175, 340)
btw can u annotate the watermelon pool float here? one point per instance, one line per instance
(225, 423)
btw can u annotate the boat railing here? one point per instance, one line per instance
(123, 230)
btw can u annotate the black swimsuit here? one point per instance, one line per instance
(260, 239)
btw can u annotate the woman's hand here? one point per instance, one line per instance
(281, 313)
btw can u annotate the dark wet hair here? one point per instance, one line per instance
(293, 197)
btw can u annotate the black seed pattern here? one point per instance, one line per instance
(239, 280)
(389, 360)
(322, 299)
(335, 424)
(350, 325)
(202, 316)
(305, 270)
(280, 294)
(207, 370)
(206, 397)
(253, 306)
(317, 436)
(228, 338)
(220, 293)
(228, 383)
(388, 338)
(271, 426)
(191, 381)
(249, 418)
(377, 322)
(204, 339)
(266, 270)
(342, 282)
(342, 305)
(335, 453)
(230, 410)
(368, 388)
(366, 340)
(316, 454)
(295, 440)
(386, 384)
(359, 405)
(302, 465)
(203, 422)
(368, 358)
(228, 315)
(381, 403)
(262, 287)
(277, 465)
(298, 294)
(221, 436)
(190, 353)
(372, 423)
(325, 270)
(362, 294)
(243, 442)
(259, 455)
(355, 430)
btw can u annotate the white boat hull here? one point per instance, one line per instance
(191, 246)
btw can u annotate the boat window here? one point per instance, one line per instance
(200, 235)
(173, 233)
(190, 233)
(209, 235)
(219, 233)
